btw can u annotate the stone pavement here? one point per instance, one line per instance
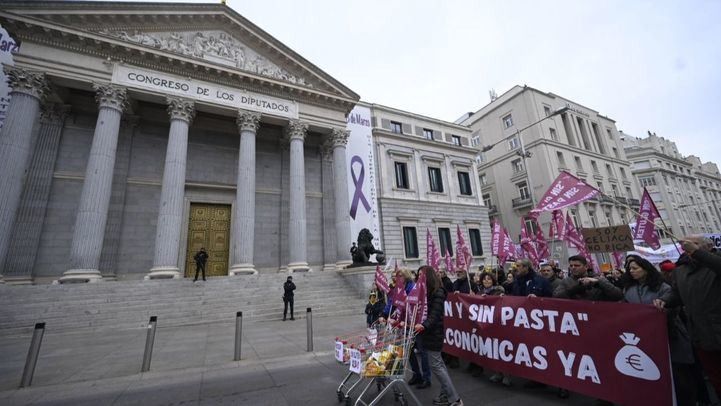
(193, 365)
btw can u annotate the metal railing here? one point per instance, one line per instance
(521, 202)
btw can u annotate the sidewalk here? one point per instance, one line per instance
(192, 365)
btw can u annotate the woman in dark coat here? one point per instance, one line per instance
(431, 330)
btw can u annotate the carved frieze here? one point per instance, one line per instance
(214, 46)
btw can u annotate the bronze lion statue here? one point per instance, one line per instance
(362, 252)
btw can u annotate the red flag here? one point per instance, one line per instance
(433, 258)
(381, 280)
(496, 236)
(566, 190)
(645, 222)
(618, 259)
(507, 248)
(541, 244)
(418, 298)
(556, 225)
(571, 234)
(399, 293)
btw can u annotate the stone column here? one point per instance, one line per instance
(297, 237)
(243, 236)
(170, 213)
(16, 138)
(339, 140)
(92, 214)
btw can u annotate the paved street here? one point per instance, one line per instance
(193, 365)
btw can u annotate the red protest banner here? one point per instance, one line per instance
(611, 351)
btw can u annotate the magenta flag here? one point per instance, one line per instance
(433, 258)
(618, 259)
(449, 262)
(381, 280)
(463, 254)
(496, 236)
(557, 225)
(399, 295)
(418, 298)
(508, 248)
(645, 222)
(572, 236)
(541, 244)
(566, 190)
(528, 245)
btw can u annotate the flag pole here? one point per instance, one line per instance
(667, 230)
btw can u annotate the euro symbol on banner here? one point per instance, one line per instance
(358, 183)
(634, 361)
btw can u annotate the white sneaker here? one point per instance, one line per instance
(458, 402)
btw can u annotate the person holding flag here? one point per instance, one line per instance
(417, 304)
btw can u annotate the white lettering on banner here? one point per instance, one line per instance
(355, 361)
(203, 91)
(339, 351)
(8, 47)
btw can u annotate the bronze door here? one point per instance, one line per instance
(209, 227)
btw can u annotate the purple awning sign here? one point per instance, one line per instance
(358, 183)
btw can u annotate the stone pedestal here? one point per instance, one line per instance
(360, 278)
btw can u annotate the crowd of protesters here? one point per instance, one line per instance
(689, 291)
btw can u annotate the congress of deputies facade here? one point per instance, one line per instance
(138, 133)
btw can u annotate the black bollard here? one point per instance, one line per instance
(238, 334)
(309, 324)
(149, 340)
(33, 352)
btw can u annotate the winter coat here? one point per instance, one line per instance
(461, 286)
(374, 311)
(697, 284)
(447, 284)
(495, 290)
(678, 337)
(603, 291)
(531, 283)
(288, 288)
(200, 257)
(554, 281)
(433, 325)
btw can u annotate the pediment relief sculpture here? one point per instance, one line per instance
(214, 46)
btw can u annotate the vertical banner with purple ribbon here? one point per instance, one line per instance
(7, 48)
(362, 196)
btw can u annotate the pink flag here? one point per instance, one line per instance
(381, 280)
(418, 298)
(527, 244)
(618, 259)
(433, 258)
(556, 225)
(449, 262)
(566, 190)
(463, 254)
(572, 236)
(507, 247)
(645, 222)
(399, 295)
(496, 237)
(541, 244)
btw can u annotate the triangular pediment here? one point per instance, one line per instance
(211, 33)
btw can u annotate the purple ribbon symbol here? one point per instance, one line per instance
(358, 182)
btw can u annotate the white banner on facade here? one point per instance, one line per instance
(7, 48)
(203, 91)
(362, 176)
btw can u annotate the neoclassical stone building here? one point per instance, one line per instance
(138, 133)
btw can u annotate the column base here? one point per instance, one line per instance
(242, 269)
(163, 272)
(298, 267)
(80, 276)
(343, 264)
(16, 280)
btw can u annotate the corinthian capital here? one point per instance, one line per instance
(339, 137)
(296, 130)
(180, 108)
(248, 120)
(112, 96)
(26, 81)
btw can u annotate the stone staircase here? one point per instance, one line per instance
(129, 304)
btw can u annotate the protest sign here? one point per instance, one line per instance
(355, 361)
(339, 351)
(576, 345)
(608, 239)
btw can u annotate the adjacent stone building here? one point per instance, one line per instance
(580, 141)
(427, 180)
(139, 132)
(685, 191)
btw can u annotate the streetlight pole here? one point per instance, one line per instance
(523, 153)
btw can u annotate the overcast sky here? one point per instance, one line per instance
(649, 65)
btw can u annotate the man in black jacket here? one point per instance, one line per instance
(288, 288)
(201, 257)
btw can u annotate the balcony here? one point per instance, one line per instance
(634, 202)
(492, 209)
(622, 200)
(606, 199)
(521, 202)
